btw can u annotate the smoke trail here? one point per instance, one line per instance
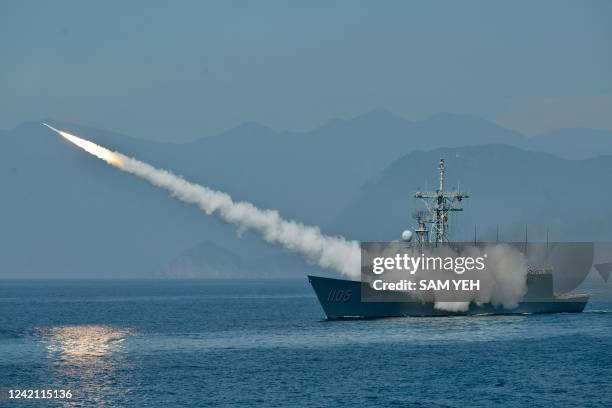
(326, 251)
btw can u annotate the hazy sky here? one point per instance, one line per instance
(177, 70)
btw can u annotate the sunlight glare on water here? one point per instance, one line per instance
(83, 343)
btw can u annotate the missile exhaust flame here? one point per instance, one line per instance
(326, 251)
(100, 152)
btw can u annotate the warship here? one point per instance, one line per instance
(342, 298)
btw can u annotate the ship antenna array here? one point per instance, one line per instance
(439, 204)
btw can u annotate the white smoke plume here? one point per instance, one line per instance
(503, 282)
(331, 252)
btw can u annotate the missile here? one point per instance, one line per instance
(51, 127)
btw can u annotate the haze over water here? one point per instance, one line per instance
(226, 342)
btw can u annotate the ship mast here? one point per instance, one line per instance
(439, 204)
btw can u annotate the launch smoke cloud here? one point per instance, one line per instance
(493, 274)
(331, 252)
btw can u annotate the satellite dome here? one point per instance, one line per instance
(407, 235)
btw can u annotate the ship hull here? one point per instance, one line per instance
(341, 299)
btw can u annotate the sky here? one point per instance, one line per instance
(178, 70)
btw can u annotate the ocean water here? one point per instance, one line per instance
(139, 343)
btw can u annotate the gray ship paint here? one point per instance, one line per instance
(341, 299)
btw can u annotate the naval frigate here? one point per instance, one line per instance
(342, 298)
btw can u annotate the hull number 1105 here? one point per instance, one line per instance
(339, 295)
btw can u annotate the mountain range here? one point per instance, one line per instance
(66, 214)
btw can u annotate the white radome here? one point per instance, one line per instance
(407, 235)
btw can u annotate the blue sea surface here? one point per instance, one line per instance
(139, 343)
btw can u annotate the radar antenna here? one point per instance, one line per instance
(438, 205)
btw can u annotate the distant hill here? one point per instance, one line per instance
(64, 213)
(205, 259)
(573, 143)
(509, 187)
(208, 259)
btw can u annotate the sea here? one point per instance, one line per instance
(202, 343)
